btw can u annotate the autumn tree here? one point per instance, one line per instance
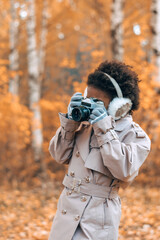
(117, 17)
(155, 30)
(14, 55)
(50, 58)
(34, 83)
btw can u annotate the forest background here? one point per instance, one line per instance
(47, 50)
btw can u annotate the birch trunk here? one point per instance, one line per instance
(13, 87)
(13, 56)
(155, 29)
(43, 37)
(34, 83)
(117, 29)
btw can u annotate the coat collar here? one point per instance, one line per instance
(121, 124)
(84, 134)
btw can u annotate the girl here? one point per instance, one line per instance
(103, 154)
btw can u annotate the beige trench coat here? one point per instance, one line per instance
(102, 158)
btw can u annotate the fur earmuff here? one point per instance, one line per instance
(119, 107)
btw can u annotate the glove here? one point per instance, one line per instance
(75, 102)
(97, 114)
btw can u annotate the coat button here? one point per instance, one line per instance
(69, 192)
(64, 211)
(87, 179)
(83, 199)
(77, 217)
(72, 174)
(77, 154)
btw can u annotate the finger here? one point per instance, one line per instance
(92, 117)
(96, 112)
(75, 104)
(101, 110)
(77, 94)
(76, 98)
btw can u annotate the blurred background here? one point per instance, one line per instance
(47, 50)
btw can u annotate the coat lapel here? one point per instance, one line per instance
(93, 159)
(82, 141)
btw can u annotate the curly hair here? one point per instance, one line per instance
(126, 78)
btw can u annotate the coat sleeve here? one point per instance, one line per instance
(123, 158)
(62, 144)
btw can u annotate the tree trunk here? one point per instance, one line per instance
(117, 29)
(43, 37)
(13, 87)
(13, 56)
(34, 83)
(155, 29)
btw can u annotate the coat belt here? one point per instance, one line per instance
(80, 186)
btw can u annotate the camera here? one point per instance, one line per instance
(83, 112)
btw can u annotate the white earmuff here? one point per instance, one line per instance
(119, 106)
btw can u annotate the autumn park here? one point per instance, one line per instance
(47, 50)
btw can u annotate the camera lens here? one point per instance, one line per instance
(80, 114)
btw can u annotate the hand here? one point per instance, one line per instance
(97, 115)
(75, 102)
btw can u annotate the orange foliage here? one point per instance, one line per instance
(14, 138)
(78, 39)
(50, 110)
(28, 214)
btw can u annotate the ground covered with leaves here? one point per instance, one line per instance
(28, 214)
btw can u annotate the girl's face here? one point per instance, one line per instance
(93, 92)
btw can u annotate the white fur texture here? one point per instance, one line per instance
(119, 107)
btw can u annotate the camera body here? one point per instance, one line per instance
(83, 112)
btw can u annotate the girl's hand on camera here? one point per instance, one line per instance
(97, 115)
(75, 102)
